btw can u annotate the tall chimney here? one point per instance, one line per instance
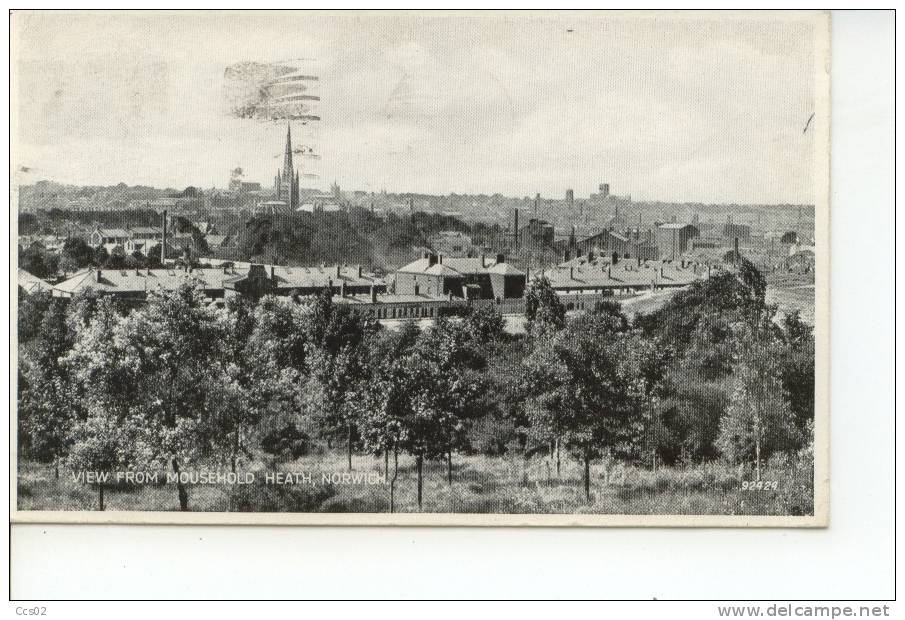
(338, 271)
(342, 288)
(359, 271)
(515, 229)
(163, 241)
(571, 273)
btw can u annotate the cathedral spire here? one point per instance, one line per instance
(287, 156)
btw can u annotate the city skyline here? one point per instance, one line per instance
(439, 109)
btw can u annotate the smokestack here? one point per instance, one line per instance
(163, 241)
(359, 271)
(515, 229)
(338, 271)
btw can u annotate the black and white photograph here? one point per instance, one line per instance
(421, 268)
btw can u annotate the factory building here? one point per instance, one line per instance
(673, 239)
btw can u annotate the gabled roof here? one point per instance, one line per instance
(601, 275)
(675, 226)
(506, 269)
(457, 266)
(442, 270)
(31, 283)
(113, 232)
(141, 280)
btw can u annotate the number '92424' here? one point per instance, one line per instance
(760, 485)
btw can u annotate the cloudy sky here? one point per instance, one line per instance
(669, 108)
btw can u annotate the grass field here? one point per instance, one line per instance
(480, 485)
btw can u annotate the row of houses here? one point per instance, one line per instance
(430, 286)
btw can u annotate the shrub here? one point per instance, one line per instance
(287, 442)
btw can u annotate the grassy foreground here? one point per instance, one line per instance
(481, 484)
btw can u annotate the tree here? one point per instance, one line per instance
(591, 391)
(484, 324)
(758, 420)
(383, 401)
(338, 335)
(102, 445)
(798, 369)
(543, 310)
(169, 349)
(48, 402)
(38, 262)
(31, 314)
(76, 253)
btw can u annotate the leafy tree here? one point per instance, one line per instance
(338, 335)
(170, 349)
(758, 421)
(31, 314)
(38, 262)
(798, 369)
(485, 324)
(76, 254)
(592, 392)
(543, 310)
(102, 444)
(383, 401)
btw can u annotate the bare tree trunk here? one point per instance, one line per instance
(393, 480)
(349, 445)
(757, 459)
(419, 463)
(557, 456)
(587, 474)
(386, 463)
(183, 494)
(100, 496)
(449, 466)
(56, 469)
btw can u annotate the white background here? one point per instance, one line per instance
(852, 559)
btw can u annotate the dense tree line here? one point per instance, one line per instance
(710, 375)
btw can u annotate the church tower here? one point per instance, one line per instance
(286, 182)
